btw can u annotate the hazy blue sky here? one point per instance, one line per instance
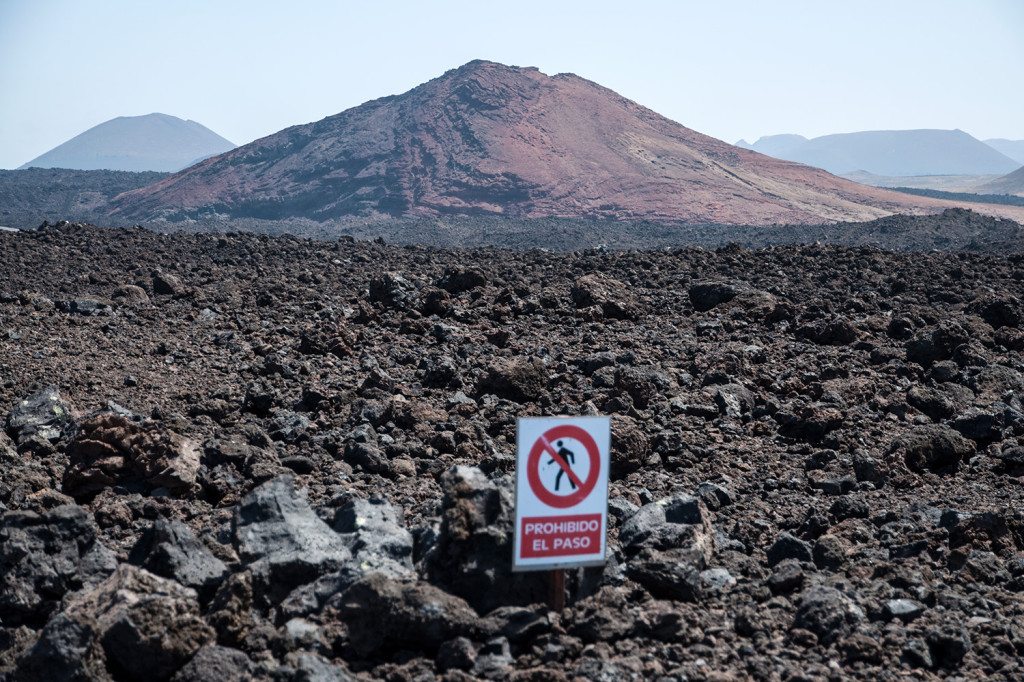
(730, 69)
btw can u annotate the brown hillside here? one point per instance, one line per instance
(493, 139)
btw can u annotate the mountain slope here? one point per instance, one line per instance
(1012, 183)
(29, 196)
(1012, 148)
(493, 139)
(155, 142)
(892, 153)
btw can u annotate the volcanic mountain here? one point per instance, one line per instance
(500, 140)
(154, 142)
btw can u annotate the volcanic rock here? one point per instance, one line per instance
(456, 654)
(672, 541)
(374, 528)
(147, 626)
(611, 296)
(171, 550)
(384, 613)
(948, 645)
(45, 556)
(828, 332)
(168, 284)
(130, 293)
(903, 609)
(215, 663)
(826, 612)
(84, 306)
(706, 295)
(394, 290)
(519, 380)
(282, 541)
(728, 431)
(457, 280)
(472, 557)
(111, 449)
(787, 576)
(935, 448)
(65, 651)
(44, 415)
(789, 547)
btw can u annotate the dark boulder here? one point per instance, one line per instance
(84, 306)
(214, 663)
(826, 612)
(631, 447)
(148, 626)
(64, 652)
(999, 311)
(282, 540)
(948, 644)
(45, 556)
(905, 610)
(375, 534)
(374, 528)
(168, 284)
(44, 415)
(669, 574)
(614, 298)
(733, 400)
(809, 422)
(670, 542)
(457, 280)
(130, 294)
(787, 576)
(440, 371)
(939, 402)
(521, 380)
(643, 384)
(382, 614)
(706, 295)
(787, 546)
(936, 344)
(473, 554)
(828, 332)
(392, 290)
(170, 549)
(937, 449)
(677, 522)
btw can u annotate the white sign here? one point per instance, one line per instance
(561, 492)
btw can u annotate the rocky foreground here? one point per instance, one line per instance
(240, 457)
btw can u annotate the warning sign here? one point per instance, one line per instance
(561, 492)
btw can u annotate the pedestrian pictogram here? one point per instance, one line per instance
(553, 457)
(561, 492)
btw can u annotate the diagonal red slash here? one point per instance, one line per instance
(561, 462)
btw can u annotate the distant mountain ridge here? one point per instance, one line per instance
(490, 139)
(890, 153)
(154, 142)
(774, 145)
(1012, 148)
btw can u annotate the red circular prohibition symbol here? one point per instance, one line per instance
(543, 445)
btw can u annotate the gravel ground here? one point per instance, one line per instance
(250, 457)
